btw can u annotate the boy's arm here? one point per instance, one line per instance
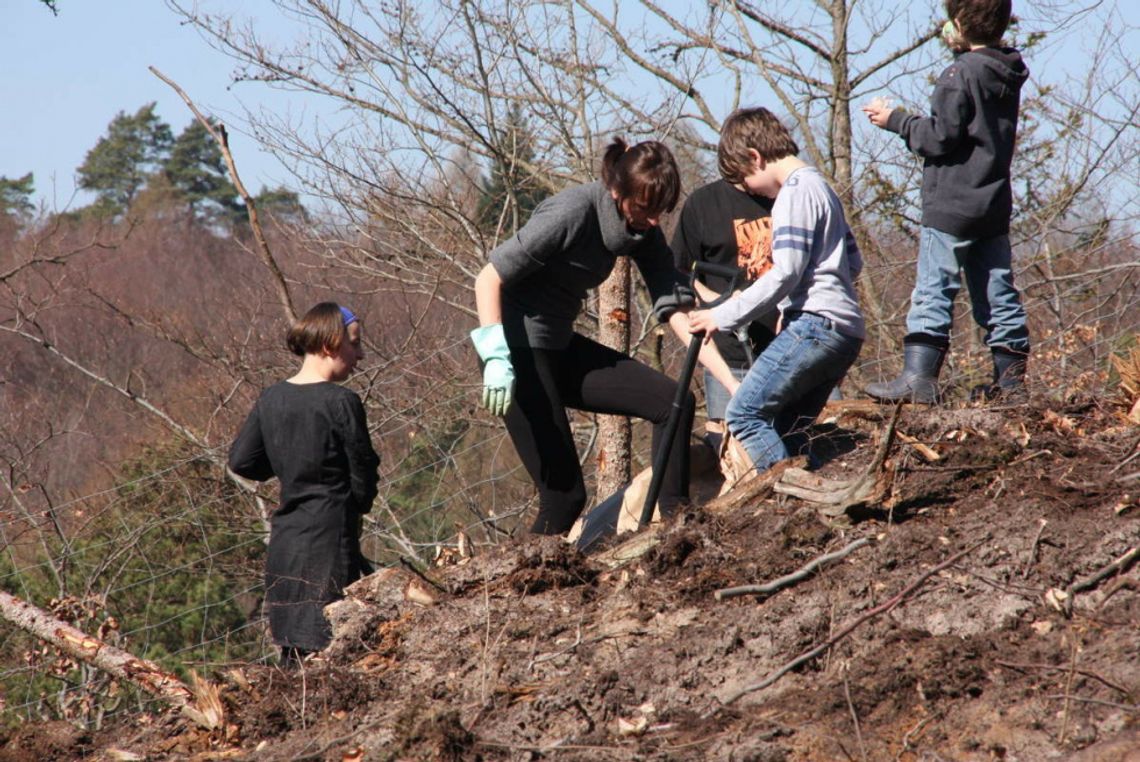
(793, 236)
(706, 294)
(942, 131)
(710, 356)
(764, 294)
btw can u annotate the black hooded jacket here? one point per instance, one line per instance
(967, 143)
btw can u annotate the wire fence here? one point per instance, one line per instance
(167, 563)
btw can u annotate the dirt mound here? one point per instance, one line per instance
(974, 616)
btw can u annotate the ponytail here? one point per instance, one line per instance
(613, 153)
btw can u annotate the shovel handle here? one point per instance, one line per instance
(732, 272)
(671, 425)
(662, 457)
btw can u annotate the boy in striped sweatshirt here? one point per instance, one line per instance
(815, 262)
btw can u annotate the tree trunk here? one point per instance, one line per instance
(614, 436)
(840, 141)
(201, 703)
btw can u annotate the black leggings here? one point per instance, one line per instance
(592, 377)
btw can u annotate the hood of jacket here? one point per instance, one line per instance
(1001, 71)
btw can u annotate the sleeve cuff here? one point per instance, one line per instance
(895, 120)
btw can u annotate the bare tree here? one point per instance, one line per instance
(432, 91)
(425, 103)
(424, 98)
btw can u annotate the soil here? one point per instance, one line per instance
(534, 651)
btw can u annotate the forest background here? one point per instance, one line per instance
(138, 323)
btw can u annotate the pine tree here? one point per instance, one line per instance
(118, 167)
(511, 192)
(197, 170)
(282, 204)
(16, 194)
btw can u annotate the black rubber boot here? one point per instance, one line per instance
(918, 382)
(1009, 378)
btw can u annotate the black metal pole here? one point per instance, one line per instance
(662, 455)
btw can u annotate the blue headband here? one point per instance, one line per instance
(348, 316)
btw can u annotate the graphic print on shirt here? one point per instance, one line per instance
(754, 246)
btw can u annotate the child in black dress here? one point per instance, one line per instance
(312, 434)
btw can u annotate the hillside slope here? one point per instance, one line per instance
(533, 651)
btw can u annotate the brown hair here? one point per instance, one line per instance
(645, 173)
(981, 22)
(755, 129)
(321, 328)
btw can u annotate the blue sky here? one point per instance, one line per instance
(67, 76)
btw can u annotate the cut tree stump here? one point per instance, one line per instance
(787, 477)
(835, 497)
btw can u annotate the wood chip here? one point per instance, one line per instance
(418, 592)
(633, 727)
(928, 453)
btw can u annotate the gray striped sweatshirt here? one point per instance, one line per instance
(815, 261)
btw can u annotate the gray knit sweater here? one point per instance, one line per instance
(568, 246)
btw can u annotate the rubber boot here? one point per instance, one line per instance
(1009, 378)
(918, 382)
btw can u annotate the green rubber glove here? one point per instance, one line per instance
(498, 374)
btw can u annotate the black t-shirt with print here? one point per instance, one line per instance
(724, 225)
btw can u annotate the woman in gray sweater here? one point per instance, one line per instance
(534, 363)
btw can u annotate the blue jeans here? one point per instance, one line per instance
(716, 396)
(788, 386)
(995, 300)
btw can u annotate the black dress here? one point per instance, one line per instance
(314, 439)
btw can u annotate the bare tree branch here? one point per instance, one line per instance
(217, 131)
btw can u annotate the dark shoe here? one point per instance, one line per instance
(292, 658)
(918, 382)
(1008, 384)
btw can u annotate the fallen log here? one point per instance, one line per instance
(761, 485)
(632, 549)
(868, 410)
(650, 537)
(754, 488)
(201, 702)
